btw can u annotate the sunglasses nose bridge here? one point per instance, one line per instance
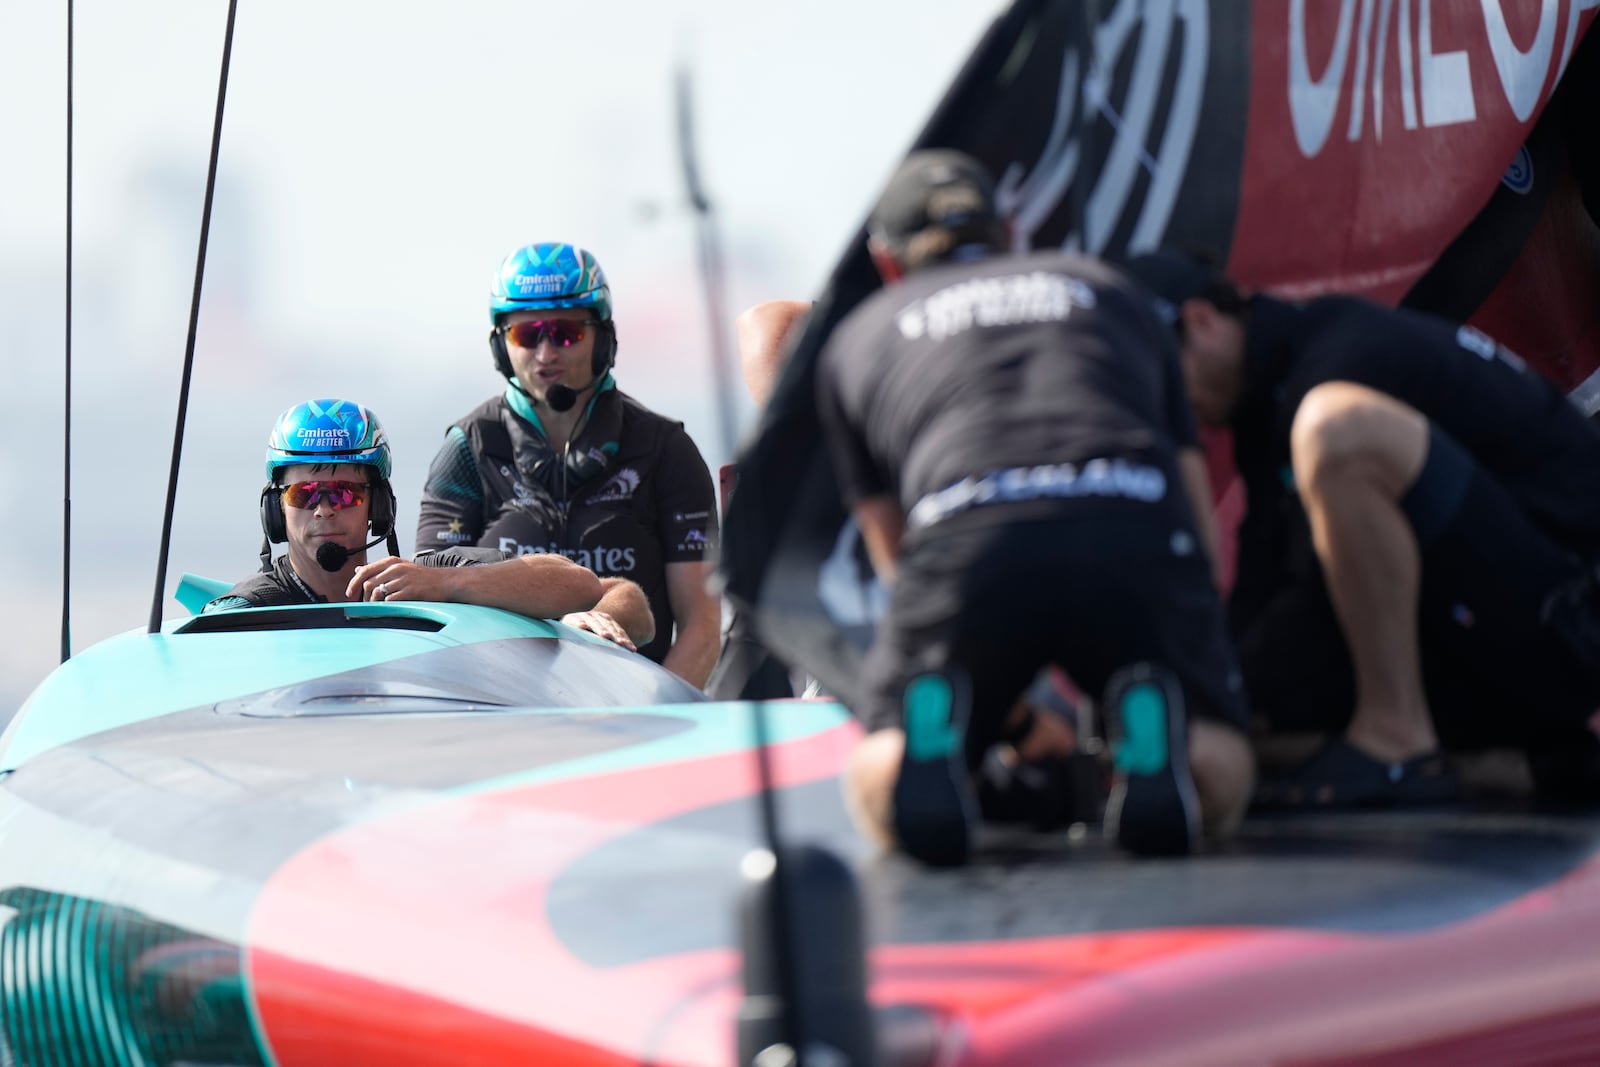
(315, 497)
(550, 349)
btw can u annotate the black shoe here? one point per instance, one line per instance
(1339, 776)
(1153, 808)
(935, 815)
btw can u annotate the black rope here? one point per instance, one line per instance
(66, 418)
(194, 320)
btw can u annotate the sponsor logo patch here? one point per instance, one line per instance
(621, 486)
(1009, 301)
(1519, 175)
(535, 284)
(453, 534)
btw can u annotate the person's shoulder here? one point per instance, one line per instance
(1015, 272)
(1351, 324)
(1340, 311)
(641, 423)
(874, 315)
(1089, 281)
(485, 429)
(257, 591)
(636, 411)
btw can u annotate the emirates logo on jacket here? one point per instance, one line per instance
(598, 558)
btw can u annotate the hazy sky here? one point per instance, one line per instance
(377, 161)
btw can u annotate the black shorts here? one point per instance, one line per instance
(1493, 673)
(1095, 587)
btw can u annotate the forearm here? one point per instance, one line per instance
(697, 616)
(694, 651)
(883, 526)
(625, 602)
(540, 586)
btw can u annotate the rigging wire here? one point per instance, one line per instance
(194, 319)
(66, 417)
(708, 244)
(709, 250)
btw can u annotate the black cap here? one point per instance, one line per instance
(1174, 276)
(933, 187)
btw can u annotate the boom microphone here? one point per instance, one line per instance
(561, 397)
(332, 557)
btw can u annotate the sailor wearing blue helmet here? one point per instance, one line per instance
(565, 463)
(328, 466)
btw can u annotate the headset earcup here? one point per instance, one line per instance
(605, 349)
(272, 523)
(381, 512)
(497, 348)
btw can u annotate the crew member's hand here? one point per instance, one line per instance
(1048, 734)
(598, 622)
(393, 578)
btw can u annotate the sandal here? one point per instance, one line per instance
(1340, 776)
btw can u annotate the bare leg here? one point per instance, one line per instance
(869, 784)
(1356, 453)
(1223, 769)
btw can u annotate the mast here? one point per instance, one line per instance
(801, 928)
(66, 417)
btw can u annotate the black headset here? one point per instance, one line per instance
(380, 510)
(603, 358)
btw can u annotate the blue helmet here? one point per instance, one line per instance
(327, 431)
(551, 274)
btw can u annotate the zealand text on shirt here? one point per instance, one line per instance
(1097, 477)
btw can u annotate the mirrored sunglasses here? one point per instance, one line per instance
(562, 333)
(337, 494)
